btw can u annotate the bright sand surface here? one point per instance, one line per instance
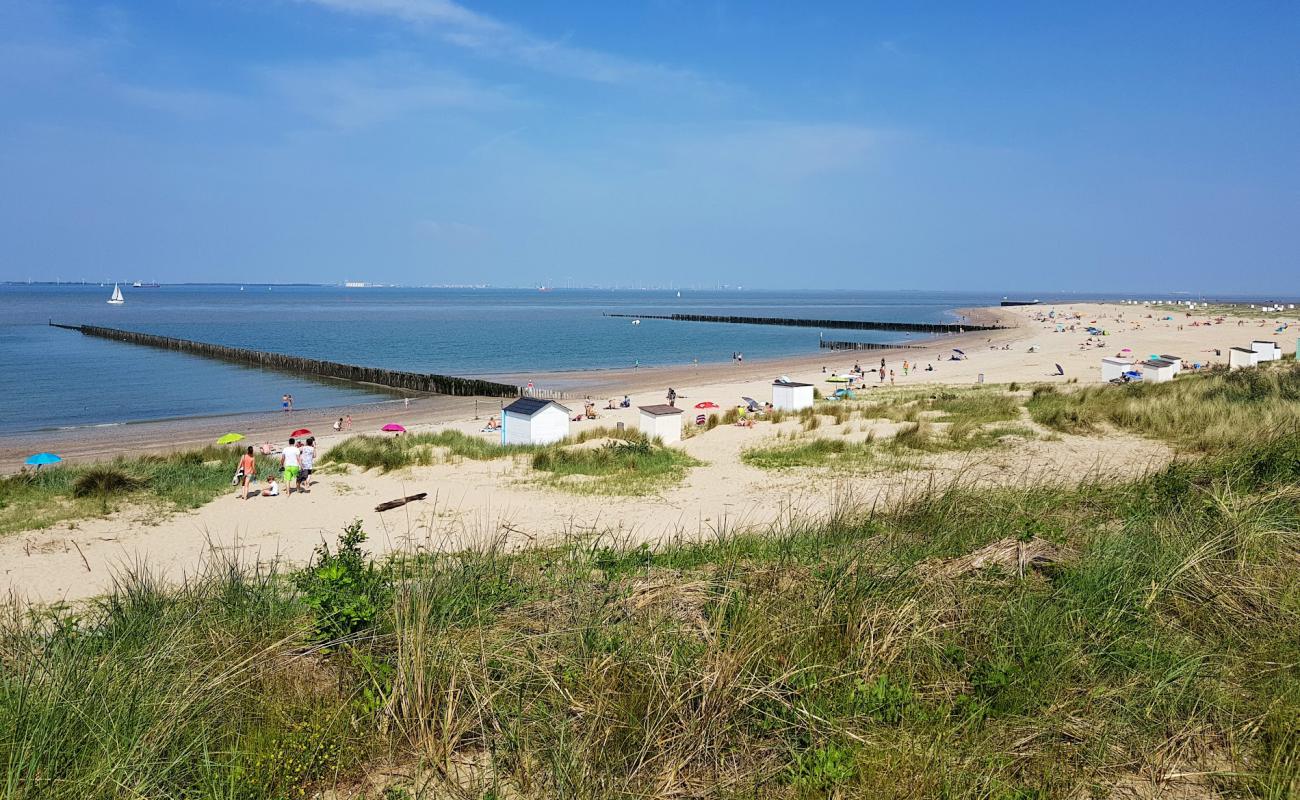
(472, 503)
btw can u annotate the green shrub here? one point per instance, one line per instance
(344, 589)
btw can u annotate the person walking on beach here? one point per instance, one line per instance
(284, 403)
(307, 462)
(882, 373)
(891, 377)
(247, 470)
(347, 422)
(289, 461)
(290, 402)
(672, 396)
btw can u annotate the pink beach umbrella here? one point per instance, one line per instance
(393, 427)
(706, 404)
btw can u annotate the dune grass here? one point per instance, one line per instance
(40, 498)
(631, 466)
(1210, 412)
(971, 420)
(628, 464)
(830, 658)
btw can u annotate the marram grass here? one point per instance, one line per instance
(835, 657)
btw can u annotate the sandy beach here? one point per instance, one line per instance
(472, 502)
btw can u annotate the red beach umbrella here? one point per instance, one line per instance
(300, 432)
(706, 404)
(393, 427)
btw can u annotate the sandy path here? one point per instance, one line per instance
(475, 501)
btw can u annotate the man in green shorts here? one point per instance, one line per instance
(291, 460)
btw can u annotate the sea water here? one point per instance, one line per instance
(52, 378)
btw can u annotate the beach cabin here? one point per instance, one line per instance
(531, 420)
(1239, 357)
(1267, 350)
(661, 422)
(1114, 368)
(1177, 362)
(791, 396)
(1157, 370)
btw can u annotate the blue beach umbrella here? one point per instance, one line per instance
(41, 459)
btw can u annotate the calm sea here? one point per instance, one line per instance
(53, 378)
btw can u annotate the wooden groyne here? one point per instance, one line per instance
(827, 344)
(846, 324)
(409, 381)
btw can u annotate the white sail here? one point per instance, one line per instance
(117, 298)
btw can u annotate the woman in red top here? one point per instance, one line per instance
(247, 469)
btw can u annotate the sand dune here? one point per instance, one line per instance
(471, 502)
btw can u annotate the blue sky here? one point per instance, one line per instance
(1053, 146)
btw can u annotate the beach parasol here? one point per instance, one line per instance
(40, 459)
(230, 438)
(706, 404)
(846, 394)
(393, 427)
(1126, 349)
(958, 352)
(300, 432)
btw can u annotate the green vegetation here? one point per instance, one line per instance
(1207, 413)
(627, 464)
(40, 498)
(634, 466)
(862, 655)
(388, 453)
(973, 420)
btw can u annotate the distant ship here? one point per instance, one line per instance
(139, 285)
(117, 298)
(543, 288)
(1007, 302)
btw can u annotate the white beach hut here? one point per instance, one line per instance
(1239, 357)
(531, 420)
(1114, 368)
(1157, 370)
(662, 422)
(791, 396)
(1175, 360)
(1267, 350)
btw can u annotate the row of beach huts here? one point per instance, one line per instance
(1165, 367)
(534, 420)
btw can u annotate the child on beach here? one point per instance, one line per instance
(272, 488)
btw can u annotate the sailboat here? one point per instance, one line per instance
(117, 298)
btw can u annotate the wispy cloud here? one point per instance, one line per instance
(492, 38)
(786, 150)
(357, 93)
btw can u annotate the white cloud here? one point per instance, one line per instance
(358, 93)
(492, 38)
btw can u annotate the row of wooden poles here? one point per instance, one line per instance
(410, 381)
(827, 344)
(847, 324)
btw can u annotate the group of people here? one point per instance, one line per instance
(343, 424)
(297, 462)
(286, 402)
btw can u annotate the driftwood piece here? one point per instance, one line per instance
(1010, 554)
(401, 501)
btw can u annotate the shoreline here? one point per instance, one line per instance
(99, 441)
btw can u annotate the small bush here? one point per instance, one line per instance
(104, 482)
(344, 589)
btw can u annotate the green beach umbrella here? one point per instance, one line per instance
(230, 438)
